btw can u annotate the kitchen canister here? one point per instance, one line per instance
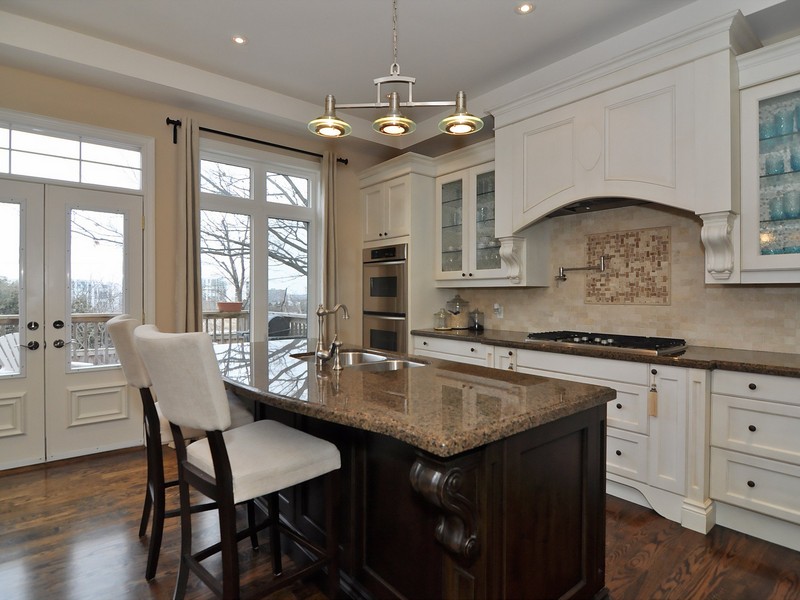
(458, 309)
(441, 320)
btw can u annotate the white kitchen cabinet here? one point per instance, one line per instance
(467, 352)
(755, 453)
(467, 247)
(387, 207)
(770, 168)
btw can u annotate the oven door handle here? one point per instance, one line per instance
(383, 316)
(385, 262)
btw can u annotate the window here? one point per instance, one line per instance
(65, 157)
(259, 256)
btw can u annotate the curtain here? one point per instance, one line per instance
(188, 295)
(330, 281)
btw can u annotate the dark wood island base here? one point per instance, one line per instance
(522, 517)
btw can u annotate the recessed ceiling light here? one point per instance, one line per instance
(524, 8)
(239, 39)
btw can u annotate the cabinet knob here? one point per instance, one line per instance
(386, 233)
(619, 405)
(511, 353)
(424, 343)
(380, 235)
(472, 349)
(463, 274)
(654, 372)
(752, 386)
(751, 427)
(470, 275)
(618, 453)
(751, 484)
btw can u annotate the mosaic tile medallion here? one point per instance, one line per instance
(637, 267)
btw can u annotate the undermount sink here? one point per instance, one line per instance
(349, 358)
(387, 365)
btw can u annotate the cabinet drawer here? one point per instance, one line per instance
(759, 387)
(759, 484)
(628, 410)
(626, 454)
(588, 367)
(459, 348)
(763, 428)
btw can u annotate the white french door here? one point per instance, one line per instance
(78, 256)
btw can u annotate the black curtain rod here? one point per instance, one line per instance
(175, 123)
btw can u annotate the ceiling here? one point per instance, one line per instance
(299, 51)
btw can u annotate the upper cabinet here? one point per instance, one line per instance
(467, 247)
(770, 130)
(387, 207)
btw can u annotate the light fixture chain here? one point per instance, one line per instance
(395, 69)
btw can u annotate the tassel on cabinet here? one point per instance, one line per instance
(652, 397)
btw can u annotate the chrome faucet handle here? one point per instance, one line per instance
(336, 346)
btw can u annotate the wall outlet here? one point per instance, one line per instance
(498, 310)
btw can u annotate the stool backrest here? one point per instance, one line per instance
(120, 328)
(186, 378)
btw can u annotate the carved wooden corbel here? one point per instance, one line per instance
(455, 530)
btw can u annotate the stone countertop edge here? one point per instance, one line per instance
(546, 405)
(694, 357)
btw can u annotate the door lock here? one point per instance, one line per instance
(32, 325)
(32, 345)
(61, 343)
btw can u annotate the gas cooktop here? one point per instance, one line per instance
(633, 344)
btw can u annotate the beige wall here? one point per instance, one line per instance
(729, 316)
(51, 97)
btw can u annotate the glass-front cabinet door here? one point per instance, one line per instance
(771, 175)
(467, 246)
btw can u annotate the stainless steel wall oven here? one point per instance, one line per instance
(385, 297)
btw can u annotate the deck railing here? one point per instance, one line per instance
(89, 342)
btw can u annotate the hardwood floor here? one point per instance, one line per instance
(68, 531)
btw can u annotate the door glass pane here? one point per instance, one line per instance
(287, 311)
(779, 181)
(97, 286)
(487, 246)
(225, 274)
(452, 205)
(286, 189)
(10, 220)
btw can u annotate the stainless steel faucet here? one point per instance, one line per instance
(322, 353)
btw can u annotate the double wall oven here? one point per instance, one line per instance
(385, 298)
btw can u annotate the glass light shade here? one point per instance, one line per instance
(394, 123)
(461, 122)
(329, 125)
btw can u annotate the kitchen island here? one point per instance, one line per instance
(458, 481)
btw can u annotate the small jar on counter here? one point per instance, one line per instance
(440, 320)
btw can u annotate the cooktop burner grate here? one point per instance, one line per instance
(621, 343)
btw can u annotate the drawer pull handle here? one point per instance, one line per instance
(751, 484)
(752, 386)
(472, 349)
(619, 405)
(751, 427)
(618, 452)
(424, 343)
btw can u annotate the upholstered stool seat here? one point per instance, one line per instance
(232, 466)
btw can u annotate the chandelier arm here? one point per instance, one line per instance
(386, 104)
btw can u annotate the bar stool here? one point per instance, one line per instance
(232, 466)
(157, 432)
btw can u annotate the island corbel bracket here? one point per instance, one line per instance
(456, 530)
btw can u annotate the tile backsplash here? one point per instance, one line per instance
(752, 317)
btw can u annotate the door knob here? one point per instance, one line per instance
(61, 343)
(32, 325)
(32, 345)
(58, 324)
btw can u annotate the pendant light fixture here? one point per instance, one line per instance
(394, 123)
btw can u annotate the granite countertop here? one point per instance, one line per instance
(443, 407)
(694, 357)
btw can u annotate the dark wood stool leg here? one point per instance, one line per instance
(251, 524)
(274, 533)
(332, 518)
(156, 533)
(145, 511)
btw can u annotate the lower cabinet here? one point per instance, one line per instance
(755, 453)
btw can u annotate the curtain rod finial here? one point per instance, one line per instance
(174, 123)
(344, 161)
